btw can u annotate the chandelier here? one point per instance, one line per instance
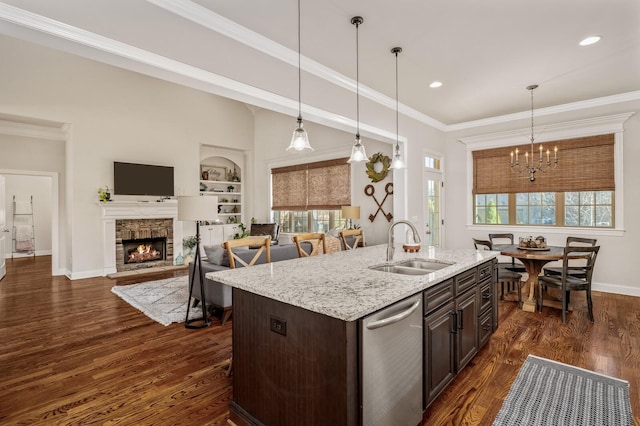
(530, 165)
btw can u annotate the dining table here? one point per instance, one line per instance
(534, 260)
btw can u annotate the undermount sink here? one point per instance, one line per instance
(413, 267)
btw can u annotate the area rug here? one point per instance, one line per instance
(164, 301)
(547, 392)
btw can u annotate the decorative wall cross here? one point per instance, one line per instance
(370, 191)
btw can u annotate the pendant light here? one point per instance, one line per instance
(300, 139)
(357, 152)
(397, 162)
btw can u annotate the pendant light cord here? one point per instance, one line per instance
(397, 127)
(357, 83)
(299, 72)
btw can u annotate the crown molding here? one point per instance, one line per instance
(567, 130)
(215, 22)
(573, 106)
(13, 128)
(105, 49)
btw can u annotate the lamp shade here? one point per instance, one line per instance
(351, 212)
(196, 208)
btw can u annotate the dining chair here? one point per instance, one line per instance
(315, 238)
(506, 239)
(237, 253)
(356, 234)
(504, 275)
(566, 282)
(576, 267)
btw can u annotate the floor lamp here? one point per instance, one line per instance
(197, 208)
(350, 213)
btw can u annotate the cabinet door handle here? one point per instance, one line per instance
(486, 296)
(460, 322)
(454, 323)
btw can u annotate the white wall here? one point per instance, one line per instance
(23, 187)
(273, 134)
(113, 115)
(614, 271)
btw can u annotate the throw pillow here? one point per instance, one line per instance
(216, 255)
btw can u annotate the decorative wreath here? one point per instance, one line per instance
(373, 160)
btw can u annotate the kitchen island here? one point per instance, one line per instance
(297, 337)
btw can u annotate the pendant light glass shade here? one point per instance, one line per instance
(397, 162)
(300, 139)
(357, 151)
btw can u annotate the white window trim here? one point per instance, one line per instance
(559, 131)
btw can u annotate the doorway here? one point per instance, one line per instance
(432, 200)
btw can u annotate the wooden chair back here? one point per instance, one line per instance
(313, 237)
(482, 244)
(506, 238)
(586, 253)
(263, 243)
(579, 241)
(358, 238)
(493, 237)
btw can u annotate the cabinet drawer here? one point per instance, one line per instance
(485, 327)
(466, 280)
(485, 271)
(438, 295)
(486, 295)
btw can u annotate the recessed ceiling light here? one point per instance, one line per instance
(435, 84)
(590, 40)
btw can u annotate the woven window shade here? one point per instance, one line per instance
(321, 185)
(584, 164)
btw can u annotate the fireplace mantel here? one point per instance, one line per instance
(113, 210)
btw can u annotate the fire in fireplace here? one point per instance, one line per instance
(144, 250)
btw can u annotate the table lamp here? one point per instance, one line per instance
(350, 213)
(197, 208)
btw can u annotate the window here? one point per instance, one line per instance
(536, 208)
(308, 220)
(588, 208)
(309, 197)
(570, 195)
(492, 208)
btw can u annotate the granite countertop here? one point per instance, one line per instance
(341, 285)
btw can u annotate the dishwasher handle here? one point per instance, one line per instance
(394, 318)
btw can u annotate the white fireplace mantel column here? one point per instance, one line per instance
(113, 210)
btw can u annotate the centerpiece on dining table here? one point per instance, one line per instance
(531, 243)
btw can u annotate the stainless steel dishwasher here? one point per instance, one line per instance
(392, 365)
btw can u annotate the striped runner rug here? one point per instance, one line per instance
(548, 392)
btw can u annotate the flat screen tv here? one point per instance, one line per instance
(142, 179)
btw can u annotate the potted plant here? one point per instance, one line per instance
(189, 243)
(104, 194)
(243, 232)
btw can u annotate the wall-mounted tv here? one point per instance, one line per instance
(142, 179)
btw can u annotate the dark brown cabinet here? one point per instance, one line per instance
(458, 321)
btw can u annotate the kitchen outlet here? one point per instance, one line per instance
(278, 325)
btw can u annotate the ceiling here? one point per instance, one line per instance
(484, 52)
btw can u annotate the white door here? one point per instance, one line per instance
(3, 230)
(433, 201)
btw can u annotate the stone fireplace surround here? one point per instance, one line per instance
(143, 229)
(124, 210)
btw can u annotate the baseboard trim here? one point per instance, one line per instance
(616, 289)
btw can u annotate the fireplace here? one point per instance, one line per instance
(143, 243)
(144, 250)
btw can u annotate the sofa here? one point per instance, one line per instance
(218, 295)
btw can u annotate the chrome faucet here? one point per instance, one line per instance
(390, 248)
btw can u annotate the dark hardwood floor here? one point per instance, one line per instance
(71, 352)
